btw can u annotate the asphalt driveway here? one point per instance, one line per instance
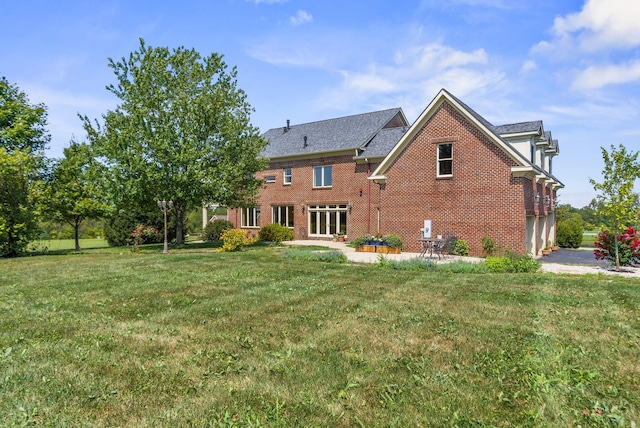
(574, 257)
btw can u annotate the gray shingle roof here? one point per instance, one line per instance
(343, 133)
(383, 142)
(517, 128)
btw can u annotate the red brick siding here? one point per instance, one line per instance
(482, 197)
(347, 180)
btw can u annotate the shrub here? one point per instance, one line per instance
(569, 233)
(392, 240)
(489, 247)
(235, 240)
(118, 227)
(628, 247)
(512, 263)
(275, 233)
(459, 247)
(144, 235)
(214, 229)
(359, 241)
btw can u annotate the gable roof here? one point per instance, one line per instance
(382, 143)
(331, 135)
(533, 127)
(523, 165)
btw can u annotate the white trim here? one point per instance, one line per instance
(422, 120)
(323, 178)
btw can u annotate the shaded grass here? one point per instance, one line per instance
(258, 339)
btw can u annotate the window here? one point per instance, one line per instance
(270, 179)
(250, 217)
(322, 176)
(445, 160)
(286, 174)
(327, 220)
(282, 214)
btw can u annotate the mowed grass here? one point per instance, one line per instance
(256, 339)
(68, 244)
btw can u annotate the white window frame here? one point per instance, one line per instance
(270, 179)
(322, 214)
(323, 176)
(441, 160)
(286, 177)
(250, 217)
(283, 215)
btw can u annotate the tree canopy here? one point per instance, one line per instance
(22, 125)
(73, 192)
(23, 138)
(616, 200)
(182, 132)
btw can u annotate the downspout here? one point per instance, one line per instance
(368, 199)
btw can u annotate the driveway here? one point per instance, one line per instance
(582, 256)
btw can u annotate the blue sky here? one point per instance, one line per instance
(575, 64)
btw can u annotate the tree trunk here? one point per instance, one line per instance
(76, 232)
(180, 225)
(615, 235)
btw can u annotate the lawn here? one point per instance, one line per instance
(200, 338)
(67, 244)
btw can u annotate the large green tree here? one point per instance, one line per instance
(73, 193)
(182, 132)
(22, 125)
(18, 189)
(23, 138)
(616, 200)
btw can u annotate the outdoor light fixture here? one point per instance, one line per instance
(547, 201)
(165, 207)
(350, 207)
(302, 208)
(361, 192)
(537, 198)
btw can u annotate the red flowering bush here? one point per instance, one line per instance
(144, 235)
(628, 247)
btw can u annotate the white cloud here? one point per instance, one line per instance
(301, 17)
(412, 77)
(528, 66)
(600, 25)
(598, 76)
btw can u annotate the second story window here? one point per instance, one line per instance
(322, 176)
(286, 176)
(445, 160)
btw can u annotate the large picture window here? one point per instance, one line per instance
(282, 214)
(322, 176)
(445, 160)
(250, 217)
(327, 220)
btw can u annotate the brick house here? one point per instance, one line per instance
(375, 173)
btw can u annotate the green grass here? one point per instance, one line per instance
(201, 338)
(67, 244)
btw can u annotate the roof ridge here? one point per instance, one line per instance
(338, 118)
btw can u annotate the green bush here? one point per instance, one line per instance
(118, 227)
(214, 229)
(275, 233)
(459, 247)
(393, 240)
(569, 233)
(489, 247)
(512, 263)
(359, 241)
